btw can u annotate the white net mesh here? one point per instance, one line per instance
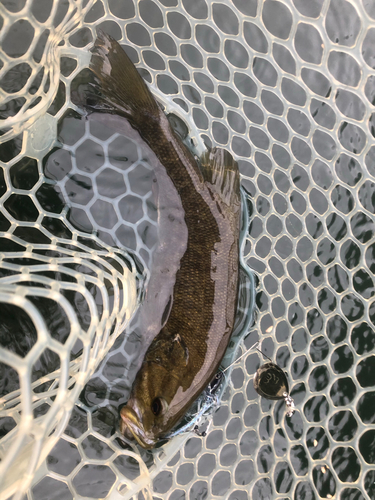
(288, 88)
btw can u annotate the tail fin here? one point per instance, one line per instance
(122, 89)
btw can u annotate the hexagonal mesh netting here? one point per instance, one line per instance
(289, 88)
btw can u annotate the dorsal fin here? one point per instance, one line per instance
(221, 171)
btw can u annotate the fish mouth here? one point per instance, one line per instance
(131, 427)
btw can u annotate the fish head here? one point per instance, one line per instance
(147, 414)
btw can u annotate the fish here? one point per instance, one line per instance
(196, 297)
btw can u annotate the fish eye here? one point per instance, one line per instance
(156, 406)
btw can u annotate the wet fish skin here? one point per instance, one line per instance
(184, 356)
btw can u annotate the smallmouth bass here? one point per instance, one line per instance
(198, 293)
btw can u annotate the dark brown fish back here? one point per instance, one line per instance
(213, 228)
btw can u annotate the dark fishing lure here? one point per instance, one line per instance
(198, 292)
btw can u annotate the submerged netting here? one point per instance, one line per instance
(288, 88)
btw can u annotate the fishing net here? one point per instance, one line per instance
(287, 87)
